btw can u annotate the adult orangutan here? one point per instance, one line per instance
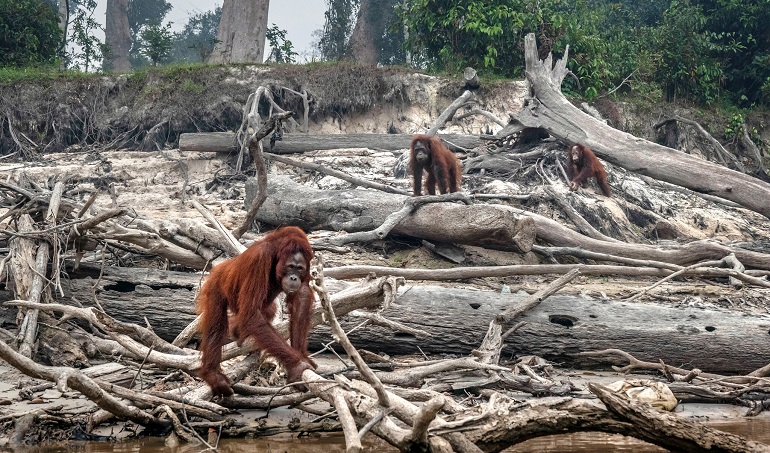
(247, 285)
(583, 164)
(443, 167)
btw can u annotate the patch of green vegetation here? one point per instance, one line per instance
(191, 86)
(11, 75)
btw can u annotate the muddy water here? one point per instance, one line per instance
(758, 430)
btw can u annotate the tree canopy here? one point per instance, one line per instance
(29, 33)
(702, 50)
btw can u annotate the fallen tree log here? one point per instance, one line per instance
(224, 142)
(716, 341)
(289, 203)
(548, 109)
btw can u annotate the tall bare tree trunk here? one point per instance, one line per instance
(117, 36)
(362, 40)
(64, 18)
(241, 33)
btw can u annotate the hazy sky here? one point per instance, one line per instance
(300, 18)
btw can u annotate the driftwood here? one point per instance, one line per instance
(224, 142)
(550, 110)
(456, 320)
(364, 210)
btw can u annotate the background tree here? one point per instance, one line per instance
(29, 33)
(281, 49)
(156, 42)
(141, 14)
(333, 43)
(196, 40)
(368, 41)
(87, 48)
(117, 36)
(241, 32)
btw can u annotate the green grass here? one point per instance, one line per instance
(11, 75)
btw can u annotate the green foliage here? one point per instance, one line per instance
(142, 14)
(196, 41)
(734, 126)
(333, 43)
(88, 48)
(687, 65)
(445, 35)
(281, 49)
(191, 86)
(156, 42)
(29, 33)
(740, 27)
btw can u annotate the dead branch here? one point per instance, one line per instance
(721, 151)
(636, 364)
(667, 430)
(460, 273)
(379, 233)
(71, 378)
(749, 144)
(448, 112)
(583, 225)
(492, 345)
(255, 148)
(318, 286)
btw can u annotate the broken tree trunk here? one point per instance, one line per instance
(224, 142)
(547, 108)
(289, 203)
(457, 319)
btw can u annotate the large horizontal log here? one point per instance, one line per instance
(717, 341)
(224, 142)
(290, 203)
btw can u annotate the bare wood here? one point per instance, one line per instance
(352, 440)
(423, 419)
(587, 254)
(669, 431)
(635, 364)
(224, 142)
(149, 243)
(337, 174)
(460, 273)
(471, 78)
(492, 346)
(558, 235)
(754, 150)
(379, 233)
(721, 151)
(230, 242)
(555, 113)
(582, 224)
(485, 113)
(255, 148)
(362, 210)
(72, 378)
(28, 327)
(448, 112)
(534, 300)
(318, 286)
